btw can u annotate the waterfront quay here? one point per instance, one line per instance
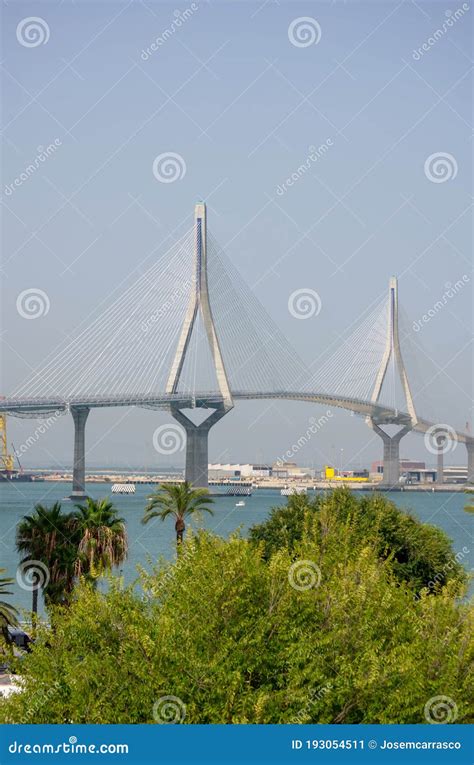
(261, 482)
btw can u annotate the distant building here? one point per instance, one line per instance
(412, 471)
(289, 470)
(330, 473)
(419, 475)
(429, 475)
(377, 467)
(455, 474)
(354, 473)
(235, 471)
(261, 471)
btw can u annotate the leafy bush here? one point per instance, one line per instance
(421, 555)
(235, 634)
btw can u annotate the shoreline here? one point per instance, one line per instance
(256, 485)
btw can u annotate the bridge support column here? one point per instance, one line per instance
(391, 453)
(440, 441)
(470, 461)
(79, 416)
(197, 445)
(440, 466)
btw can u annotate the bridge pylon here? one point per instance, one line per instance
(391, 443)
(196, 471)
(79, 416)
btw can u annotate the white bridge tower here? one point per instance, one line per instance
(391, 443)
(197, 435)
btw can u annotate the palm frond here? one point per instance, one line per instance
(177, 500)
(8, 613)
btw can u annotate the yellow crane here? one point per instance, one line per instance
(6, 460)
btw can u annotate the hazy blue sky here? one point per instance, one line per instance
(241, 104)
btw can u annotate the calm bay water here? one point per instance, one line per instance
(157, 538)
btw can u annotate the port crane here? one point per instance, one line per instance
(6, 460)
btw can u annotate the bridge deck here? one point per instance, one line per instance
(41, 407)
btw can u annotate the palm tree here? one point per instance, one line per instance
(179, 501)
(102, 538)
(8, 613)
(48, 541)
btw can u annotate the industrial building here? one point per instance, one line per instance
(413, 471)
(236, 471)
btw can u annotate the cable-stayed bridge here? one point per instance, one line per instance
(189, 334)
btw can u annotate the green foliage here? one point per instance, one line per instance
(102, 538)
(420, 555)
(86, 542)
(469, 508)
(285, 525)
(227, 633)
(178, 501)
(50, 536)
(8, 613)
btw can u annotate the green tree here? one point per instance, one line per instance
(179, 501)
(49, 537)
(8, 613)
(285, 525)
(102, 538)
(420, 555)
(235, 638)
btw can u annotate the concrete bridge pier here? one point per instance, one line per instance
(440, 466)
(440, 440)
(197, 445)
(391, 453)
(470, 461)
(79, 416)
